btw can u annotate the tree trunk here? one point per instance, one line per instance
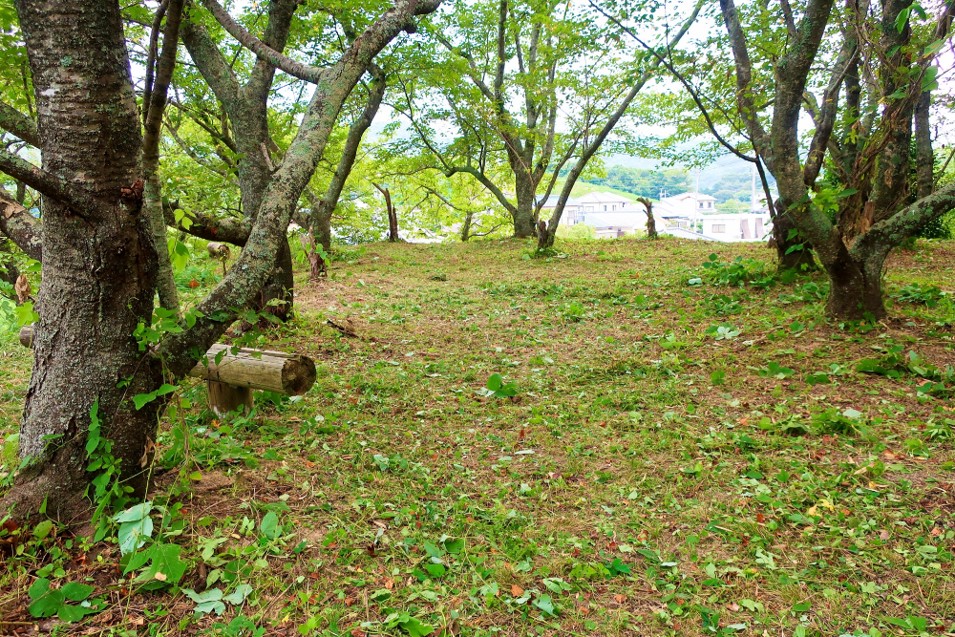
(392, 213)
(524, 223)
(277, 295)
(321, 231)
(855, 291)
(466, 227)
(789, 256)
(924, 156)
(651, 223)
(98, 264)
(545, 236)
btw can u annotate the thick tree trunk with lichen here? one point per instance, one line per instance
(98, 265)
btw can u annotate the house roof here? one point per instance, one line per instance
(696, 196)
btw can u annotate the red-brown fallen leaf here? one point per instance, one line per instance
(760, 518)
(350, 601)
(389, 584)
(584, 609)
(22, 288)
(620, 598)
(521, 434)
(358, 632)
(935, 532)
(193, 283)
(516, 591)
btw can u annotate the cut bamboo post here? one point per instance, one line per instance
(232, 373)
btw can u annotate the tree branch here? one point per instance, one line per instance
(19, 124)
(243, 283)
(890, 232)
(262, 50)
(209, 227)
(214, 68)
(50, 185)
(23, 229)
(487, 183)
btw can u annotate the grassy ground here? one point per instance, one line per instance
(681, 456)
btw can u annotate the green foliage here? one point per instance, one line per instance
(643, 182)
(917, 293)
(497, 388)
(69, 603)
(738, 273)
(105, 488)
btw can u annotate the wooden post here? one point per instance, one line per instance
(225, 398)
(232, 373)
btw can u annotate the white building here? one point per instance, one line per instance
(695, 215)
(690, 215)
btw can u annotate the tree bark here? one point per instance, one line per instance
(392, 213)
(155, 105)
(789, 256)
(525, 225)
(924, 156)
(855, 291)
(320, 218)
(98, 269)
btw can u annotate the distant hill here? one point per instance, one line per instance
(727, 178)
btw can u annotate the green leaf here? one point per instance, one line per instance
(416, 628)
(209, 601)
(132, 535)
(436, 570)
(411, 625)
(42, 529)
(239, 595)
(432, 549)
(25, 315)
(76, 592)
(546, 604)
(166, 567)
(454, 545)
(39, 588)
(270, 526)
(141, 400)
(134, 513)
